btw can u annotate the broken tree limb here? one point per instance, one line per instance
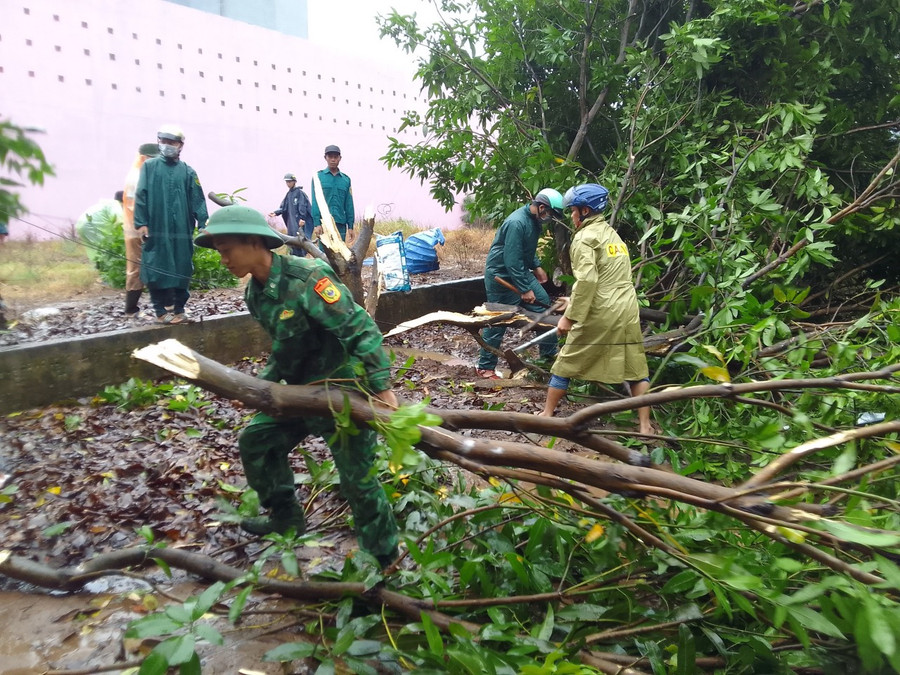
(752, 506)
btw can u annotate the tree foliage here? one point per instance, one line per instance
(21, 158)
(728, 131)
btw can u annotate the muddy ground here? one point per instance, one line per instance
(80, 479)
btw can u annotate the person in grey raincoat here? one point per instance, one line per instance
(601, 321)
(295, 210)
(168, 206)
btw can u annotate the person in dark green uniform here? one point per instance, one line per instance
(513, 258)
(168, 205)
(318, 333)
(338, 195)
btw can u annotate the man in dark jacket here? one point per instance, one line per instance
(318, 335)
(295, 210)
(168, 205)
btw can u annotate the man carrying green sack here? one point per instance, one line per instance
(318, 333)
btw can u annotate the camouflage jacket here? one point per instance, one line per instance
(318, 332)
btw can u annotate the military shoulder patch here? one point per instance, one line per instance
(286, 314)
(326, 290)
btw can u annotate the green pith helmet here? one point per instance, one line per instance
(237, 220)
(552, 198)
(149, 149)
(171, 132)
(290, 176)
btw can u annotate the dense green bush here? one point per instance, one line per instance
(208, 269)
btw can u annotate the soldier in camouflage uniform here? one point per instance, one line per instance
(318, 333)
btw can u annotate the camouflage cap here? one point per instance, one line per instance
(237, 220)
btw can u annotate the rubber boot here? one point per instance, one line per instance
(280, 521)
(131, 302)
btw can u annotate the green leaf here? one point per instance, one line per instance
(207, 599)
(154, 664)
(55, 530)
(191, 667)
(814, 621)
(208, 633)
(881, 631)
(859, 535)
(432, 635)
(240, 601)
(151, 626)
(177, 650)
(291, 651)
(582, 612)
(687, 651)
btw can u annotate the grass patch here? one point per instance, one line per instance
(44, 269)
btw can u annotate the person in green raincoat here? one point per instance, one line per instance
(168, 205)
(318, 334)
(601, 321)
(513, 258)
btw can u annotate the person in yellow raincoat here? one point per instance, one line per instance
(601, 321)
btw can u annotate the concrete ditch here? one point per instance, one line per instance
(41, 374)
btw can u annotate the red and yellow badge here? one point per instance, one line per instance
(286, 314)
(326, 290)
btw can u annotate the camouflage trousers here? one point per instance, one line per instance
(265, 445)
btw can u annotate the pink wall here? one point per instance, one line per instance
(100, 76)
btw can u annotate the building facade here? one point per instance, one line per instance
(99, 77)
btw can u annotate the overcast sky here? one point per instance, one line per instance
(350, 25)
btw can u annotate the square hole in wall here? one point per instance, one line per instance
(255, 63)
(30, 73)
(87, 52)
(289, 69)
(220, 55)
(222, 103)
(256, 84)
(109, 30)
(274, 88)
(58, 48)
(305, 115)
(27, 11)
(184, 97)
(203, 99)
(290, 90)
(84, 24)
(237, 59)
(60, 78)
(239, 80)
(56, 17)
(162, 93)
(134, 36)
(257, 108)
(199, 50)
(203, 75)
(290, 113)
(137, 89)
(180, 46)
(241, 106)
(320, 118)
(158, 41)
(137, 62)
(273, 66)
(304, 73)
(88, 81)
(181, 70)
(114, 85)
(112, 57)
(28, 42)
(221, 78)
(275, 111)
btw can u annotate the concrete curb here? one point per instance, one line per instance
(40, 374)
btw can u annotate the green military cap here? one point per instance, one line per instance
(149, 149)
(237, 220)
